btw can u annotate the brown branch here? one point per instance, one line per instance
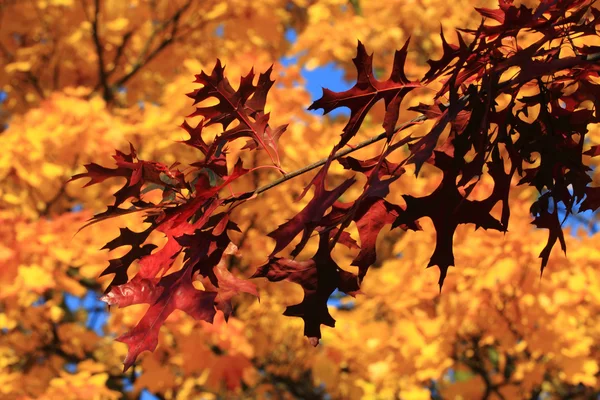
(108, 95)
(56, 75)
(144, 58)
(118, 55)
(54, 199)
(120, 50)
(102, 77)
(476, 363)
(35, 82)
(30, 76)
(62, 190)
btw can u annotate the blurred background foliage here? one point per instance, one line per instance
(83, 77)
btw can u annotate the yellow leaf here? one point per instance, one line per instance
(22, 66)
(319, 12)
(51, 170)
(216, 11)
(11, 198)
(6, 322)
(35, 278)
(312, 63)
(192, 65)
(415, 393)
(71, 285)
(98, 379)
(379, 370)
(56, 313)
(117, 24)
(65, 3)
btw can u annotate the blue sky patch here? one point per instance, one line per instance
(330, 76)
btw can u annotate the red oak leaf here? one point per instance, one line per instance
(136, 291)
(386, 167)
(137, 172)
(228, 285)
(98, 173)
(127, 237)
(246, 105)
(448, 208)
(423, 149)
(550, 221)
(594, 151)
(370, 219)
(318, 277)
(344, 237)
(592, 199)
(367, 91)
(173, 292)
(308, 219)
(195, 139)
(119, 266)
(437, 67)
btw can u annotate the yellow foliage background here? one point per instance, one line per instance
(83, 77)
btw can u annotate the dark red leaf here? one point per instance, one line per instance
(173, 292)
(318, 277)
(307, 219)
(550, 221)
(367, 91)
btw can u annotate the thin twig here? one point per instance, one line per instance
(120, 52)
(321, 162)
(144, 57)
(102, 77)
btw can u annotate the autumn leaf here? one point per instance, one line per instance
(367, 91)
(307, 220)
(173, 292)
(318, 277)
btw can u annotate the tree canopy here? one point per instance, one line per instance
(498, 128)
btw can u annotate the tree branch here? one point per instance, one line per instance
(102, 77)
(120, 51)
(144, 57)
(322, 161)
